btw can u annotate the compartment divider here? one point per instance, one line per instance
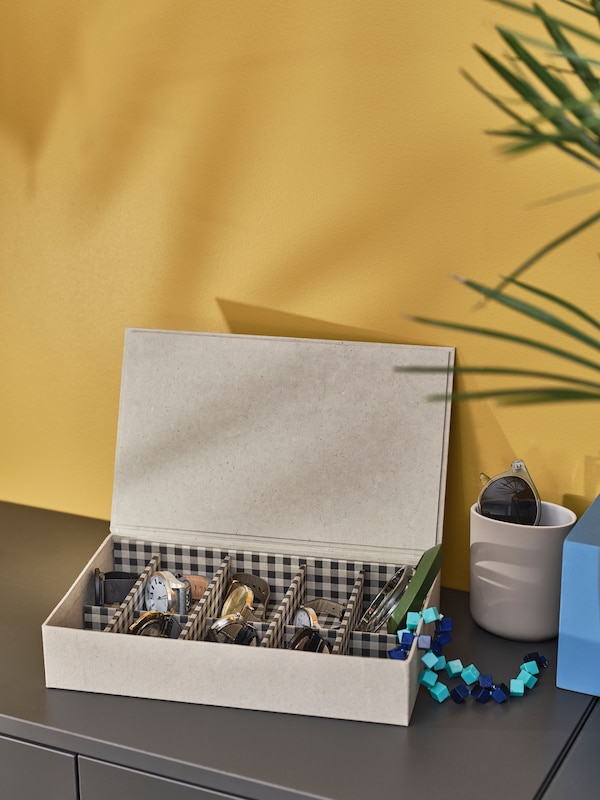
(209, 606)
(351, 616)
(275, 635)
(125, 614)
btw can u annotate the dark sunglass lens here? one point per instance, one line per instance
(509, 499)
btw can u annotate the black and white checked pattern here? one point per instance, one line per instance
(333, 580)
(351, 617)
(277, 570)
(131, 556)
(276, 634)
(293, 580)
(124, 616)
(96, 618)
(371, 645)
(207, 609)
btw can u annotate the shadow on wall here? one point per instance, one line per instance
(39, 59)
(462, 484)
(245, 318)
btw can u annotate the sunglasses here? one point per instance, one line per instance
(510, 496)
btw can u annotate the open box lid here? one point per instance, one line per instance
(286, 445)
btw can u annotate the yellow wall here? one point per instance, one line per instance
(304, 168)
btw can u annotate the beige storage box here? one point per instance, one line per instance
(313, 464)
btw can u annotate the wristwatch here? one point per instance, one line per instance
(309, 640)
(232, 629)
(164, 592)
(198, 584)
(242, 593)
(308, 614)
(386, 601)
(155, 623)
(111, 588)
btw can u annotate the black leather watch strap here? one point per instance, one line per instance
(111, 588)
(310, 641)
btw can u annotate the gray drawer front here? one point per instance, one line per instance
(31, 771)
(99, 781)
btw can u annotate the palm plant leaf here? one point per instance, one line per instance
(549, 79)
(549, 247)
(527, 128)
(511, 337)
(560, 301)
(561, 118)
(534, 11)
(562, 102)
(549, 394)
(533, 312)
(512, 371)
(579, 65)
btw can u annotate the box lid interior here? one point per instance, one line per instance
(304, 446)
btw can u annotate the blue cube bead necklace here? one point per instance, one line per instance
(481, 687)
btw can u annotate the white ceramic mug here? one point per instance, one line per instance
(516, 573)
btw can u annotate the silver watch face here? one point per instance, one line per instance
(306, 618)
(158, 593)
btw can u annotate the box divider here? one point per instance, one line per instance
(209, 606)
(275, 635)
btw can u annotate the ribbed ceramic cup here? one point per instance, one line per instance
(516, 573)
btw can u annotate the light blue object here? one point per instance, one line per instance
(470, 674)
(439, 692)
(531, 667)
(428, 678)
(440, 663)
(528, 679)
(431, 614)
(579, 620)
(517, 688)
(412, 620)
(429, 659)
(454, 667)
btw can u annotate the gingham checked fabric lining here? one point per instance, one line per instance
(351, 616)
(370, 645)
(126, 612)
(209, 605)
(293, 580)
(276, 633)
(95, 618)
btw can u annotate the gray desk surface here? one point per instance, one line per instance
(516, 749)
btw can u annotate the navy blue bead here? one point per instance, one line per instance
(436, 647)
(460, 693)
(541, 661)
(500, 692)
(481, 694)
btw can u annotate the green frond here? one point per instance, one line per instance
(533, 312)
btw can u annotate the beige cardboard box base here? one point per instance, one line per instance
(315, 463)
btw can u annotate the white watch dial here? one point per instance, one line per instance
(158, 593)
(306, 617)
